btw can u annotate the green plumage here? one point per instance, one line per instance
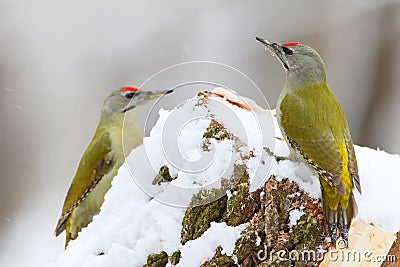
(312, 118)
(97, 161)
(316, 131)
(102, 158)
(98, 166)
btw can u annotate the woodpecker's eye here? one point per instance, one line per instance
(287, 51)
(129, 95)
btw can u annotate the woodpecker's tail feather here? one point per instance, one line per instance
(67, 232)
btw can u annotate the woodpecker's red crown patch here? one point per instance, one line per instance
(128, 88)
(292, 44)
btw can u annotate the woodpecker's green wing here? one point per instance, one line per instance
(353, 167)
(91, 169)
(307, 121)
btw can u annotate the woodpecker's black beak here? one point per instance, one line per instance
(270, 45)
(275, 49)
(263, 41)
(144, 96)
(147, 95)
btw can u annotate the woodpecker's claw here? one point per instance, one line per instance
(338, 220)
(333, 234)
(344, 225)
(344, 234)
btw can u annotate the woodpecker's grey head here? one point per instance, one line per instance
(296, 57)
(128, 98)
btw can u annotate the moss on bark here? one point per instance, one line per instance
(176, 257)
(235, 210)
(198, 219)
(220, 260)
(157, 260)
(163, 176)
(242, 204)
(269, 239)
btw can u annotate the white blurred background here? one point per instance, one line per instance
(60, 59)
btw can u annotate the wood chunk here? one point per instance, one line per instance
(368, 246)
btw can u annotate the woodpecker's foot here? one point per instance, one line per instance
(344, 220)
(331, 220)
(338, 221)
(344, 241)
(333, 233)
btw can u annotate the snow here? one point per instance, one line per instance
(130, 227)
(379, 174)
(258, 241)
(219, 234)
(295, 216)
(138, 218)
(177, 139)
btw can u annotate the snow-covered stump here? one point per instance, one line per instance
(243, 209)
(272, 224)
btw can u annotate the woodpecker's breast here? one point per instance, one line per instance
(125, 139)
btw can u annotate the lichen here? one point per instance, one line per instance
(163, 176)
(202, 98)
(308, 231)
(217, 131)
(245, 246)
(175, 257)
(157, 260)
(198, 218)
(161, 259)
(242, 205)
(206, 196)
(269, 231)
(220, 260)
(214, 206)
(205, 145)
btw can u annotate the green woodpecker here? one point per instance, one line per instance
(316, 131)
(102, 158)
